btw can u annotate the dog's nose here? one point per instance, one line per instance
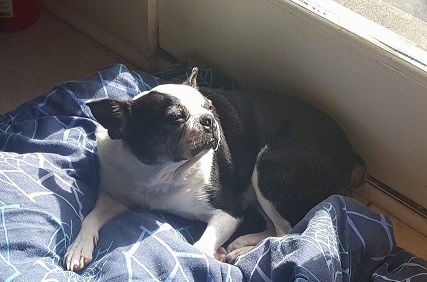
(207, 121)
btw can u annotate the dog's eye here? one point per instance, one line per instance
(176, 115)
(180, 119)
(177, 118)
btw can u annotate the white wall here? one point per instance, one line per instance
(378, 98)
(128, 28)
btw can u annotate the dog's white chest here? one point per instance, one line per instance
(185, 198)
(176, 188)
(188, 202)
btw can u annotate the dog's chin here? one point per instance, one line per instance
(201, 150)
(197, 148)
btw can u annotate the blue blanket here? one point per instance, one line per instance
(48, 183)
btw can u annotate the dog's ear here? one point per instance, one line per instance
(192, 79)
(111, 114)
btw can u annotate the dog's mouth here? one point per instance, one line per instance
(199, 143)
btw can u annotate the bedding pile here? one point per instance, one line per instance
(48, 183)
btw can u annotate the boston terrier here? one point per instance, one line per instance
(207, 155)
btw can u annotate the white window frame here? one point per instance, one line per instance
(367, 29)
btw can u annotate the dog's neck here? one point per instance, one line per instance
(175, 173)
(167, 176)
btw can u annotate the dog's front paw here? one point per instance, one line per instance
(219, 254)
(79, 253)
(205, 248)
(236, 253)
(244, 244)
(247, 240)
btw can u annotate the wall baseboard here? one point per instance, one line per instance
(397, 207)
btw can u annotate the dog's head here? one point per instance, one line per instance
(169, 123)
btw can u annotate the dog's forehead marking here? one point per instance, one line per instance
(187, 95)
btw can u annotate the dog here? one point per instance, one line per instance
(207, 155)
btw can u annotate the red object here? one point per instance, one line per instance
(18, 14)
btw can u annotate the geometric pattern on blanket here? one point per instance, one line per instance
(48, 182)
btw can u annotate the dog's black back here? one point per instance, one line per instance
(302, 156)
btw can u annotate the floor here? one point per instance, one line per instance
(39, 58)
(406, 18)
(410, 228)
(417, 8)
(35, 60)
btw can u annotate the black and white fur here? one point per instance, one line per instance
(207, 155)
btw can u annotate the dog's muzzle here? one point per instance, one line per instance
(205, 135)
